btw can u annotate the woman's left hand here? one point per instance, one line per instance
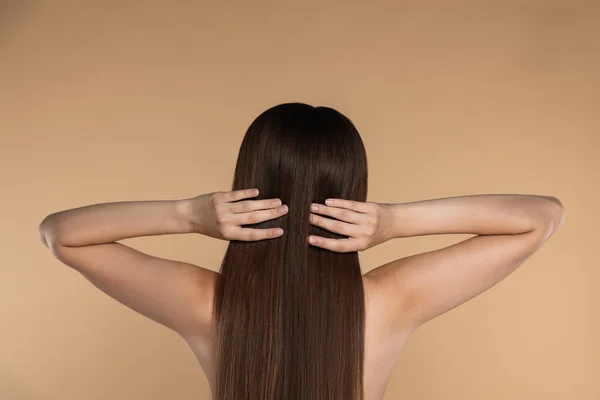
(221, 215)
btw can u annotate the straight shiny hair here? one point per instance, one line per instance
(291, 316)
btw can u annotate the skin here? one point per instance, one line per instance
(166, 291)
(400, 295)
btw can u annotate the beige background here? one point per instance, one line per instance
(109, 101)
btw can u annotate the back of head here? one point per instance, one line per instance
(291, 315)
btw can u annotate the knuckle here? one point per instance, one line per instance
(345, 215)
(338, 226)
(222, 219)
(253, 218)
(225, 232)
(220, 208)
(214, 197)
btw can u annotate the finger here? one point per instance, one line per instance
(349, 204)
(339, 213)
(252, 205)
(236, 195)
(254, 217)
(332, 225)
(253, 235)
(337, 245)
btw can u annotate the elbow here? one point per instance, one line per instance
(555, 200)
(45, 229)
(42, 234)
(558, 213)
(555, 217)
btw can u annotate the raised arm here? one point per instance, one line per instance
(173, 293)
(420, 287)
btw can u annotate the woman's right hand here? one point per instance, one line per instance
(366, 224)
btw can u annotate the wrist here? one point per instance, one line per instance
(183, 214)
(397, 219)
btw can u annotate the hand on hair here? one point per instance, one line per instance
(366, 224)
(221, 215)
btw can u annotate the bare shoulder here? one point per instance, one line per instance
(384, 340)
(385, 306)
(412, 290)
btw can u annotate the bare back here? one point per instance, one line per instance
(382, 344)
(404, 294)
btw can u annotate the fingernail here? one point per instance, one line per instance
(314, 207)
(279, 232)
(311, 239)
(329, 202)
(283, 209)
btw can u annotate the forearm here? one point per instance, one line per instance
(109, 222)
(484, 214)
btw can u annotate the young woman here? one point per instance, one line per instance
(285, 317)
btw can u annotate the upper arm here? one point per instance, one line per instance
(418, 288)
(175, 294)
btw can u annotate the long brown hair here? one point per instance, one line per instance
(291, 316)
